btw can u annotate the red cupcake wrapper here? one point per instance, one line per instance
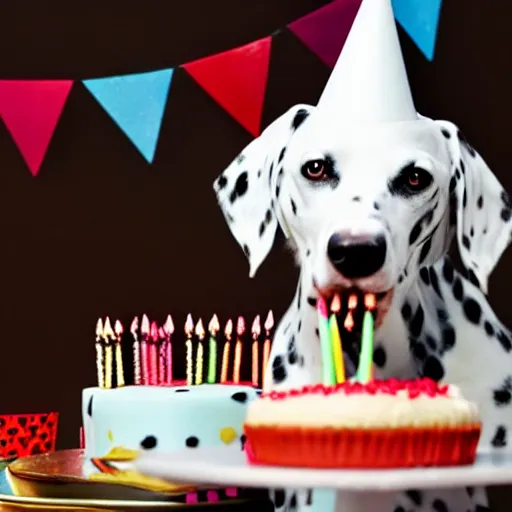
(362, 448)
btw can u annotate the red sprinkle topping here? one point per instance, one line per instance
(415, 388)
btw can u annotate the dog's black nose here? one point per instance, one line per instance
(356, 259)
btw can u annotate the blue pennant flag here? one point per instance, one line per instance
(420, 19)
(136, 103)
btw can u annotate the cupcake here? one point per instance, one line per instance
(381, 424)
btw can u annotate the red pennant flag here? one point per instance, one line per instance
(30, 110)
(236, 80)
(325, 30)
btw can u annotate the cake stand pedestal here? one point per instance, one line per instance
(357, 491)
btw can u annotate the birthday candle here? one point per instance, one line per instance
(153, 355)
(240, 329)
(162, 357)
(189, 329)
(337, 350)
(200, 352)
(255, 330)
(144, 349)
(100, 366)
(118, 328)
(328, 376)
(349, 320)
(136, 351)
(228, 331)
(213, 328)
(108, 336)
(169, 330)
(269, 324)
(364, 371)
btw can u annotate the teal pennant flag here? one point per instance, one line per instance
(420, 19)
(136, 103)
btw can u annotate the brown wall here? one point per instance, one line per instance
(102, 232)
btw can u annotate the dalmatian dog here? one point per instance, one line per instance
(377, 210)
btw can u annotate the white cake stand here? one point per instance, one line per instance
(358, 491)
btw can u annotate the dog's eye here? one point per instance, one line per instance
(411, 180)
(316, 170)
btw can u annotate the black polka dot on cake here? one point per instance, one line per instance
(309, 498)
(240, 396)
(279, 497)
(472, 310)
(500, 437)
(415, 496)
(433, 369)
(192, 442)
(148, 443)
(489, 329)
(439, 505)
(89, 407)
(293, 503)
(182, 390)
(379, 356)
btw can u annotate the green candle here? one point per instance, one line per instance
(328, 374)
(213, 328)
(364, 371)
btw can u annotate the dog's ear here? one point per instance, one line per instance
(480, 207)
(244, 189)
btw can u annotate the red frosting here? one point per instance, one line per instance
(415, 388)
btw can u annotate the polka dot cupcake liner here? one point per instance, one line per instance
(363, 448)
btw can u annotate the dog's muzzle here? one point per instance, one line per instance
(356, 258)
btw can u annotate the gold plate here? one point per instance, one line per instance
(56, 481)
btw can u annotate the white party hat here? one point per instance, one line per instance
(368, 83)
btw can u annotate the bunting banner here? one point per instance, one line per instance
(235, 79)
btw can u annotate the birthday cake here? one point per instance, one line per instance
(158, 412)
(379, 424)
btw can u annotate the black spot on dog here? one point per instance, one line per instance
(480, 202)
(400, 278)
(241, 186)
(376, 206)
(500, 437)
(464, 198)
(294, 206)
(471, 232)
(506, 200)
(308, 253)
(431, 342)
(433, 369)
(270, 172)
(415, 496)
(435, 281)
(504, 341)
(416, 324)
(425, 250)
(415, 232)
(453, 184)
(312, 301)
(424, 275)
(299, 296)
(453, 210)
(317, 332)
(246, 250)
(506, 214)
(240, 158)
(356, 199)
(457, 174)
(446, 134)
(279, 497)
(292, 351)
(406, 311)
(472, 310)
(222, 182)
(448, 272)
(380, 357)
(465, 242)
(449, 337)
(261, 231)
(278, 370)
(240, 396)
(439, 505)
(489, 329)
(148, 443)
(281, 155)
(419, 351)
(268, 216)
(192, 442)
(299, 118)
(299, 326)
(502, 396)
(457, 289)
(473, 279)
(259, 173)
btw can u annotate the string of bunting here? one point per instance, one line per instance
(236, 79)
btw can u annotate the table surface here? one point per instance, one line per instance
(228, 466)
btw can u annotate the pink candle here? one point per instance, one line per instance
(240, 330)
(136, 351)
(144, 349)
(153, 355)
(168, 330)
